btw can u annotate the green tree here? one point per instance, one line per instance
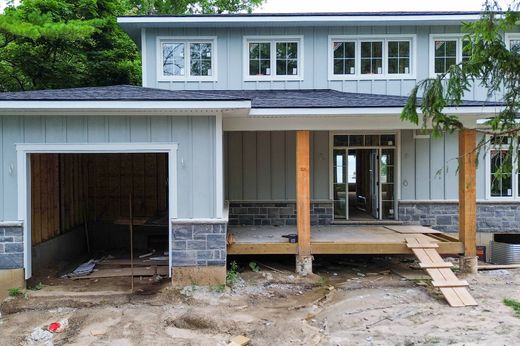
(47, 44)
(491, 64)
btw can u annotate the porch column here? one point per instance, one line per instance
(303, 201)
(468, 199)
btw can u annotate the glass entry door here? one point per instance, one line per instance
(363, 185)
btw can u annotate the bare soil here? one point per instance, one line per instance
(349, 302)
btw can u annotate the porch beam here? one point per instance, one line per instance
(303, 202)
(468, 198)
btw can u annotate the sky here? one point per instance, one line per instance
(364, 5)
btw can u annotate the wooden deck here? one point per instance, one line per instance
(337, 239)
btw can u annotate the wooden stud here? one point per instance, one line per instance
(303, 197)
(467, 191)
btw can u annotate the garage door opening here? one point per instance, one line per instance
(81, 209)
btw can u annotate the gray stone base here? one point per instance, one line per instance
(276, 213)
(11, 247)
(199, 244)
(491, 217)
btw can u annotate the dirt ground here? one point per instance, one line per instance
(351, 301)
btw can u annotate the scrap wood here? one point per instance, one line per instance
(498, 266)
(122, 272)
(269, 267)
(147, 254)
(239, 340)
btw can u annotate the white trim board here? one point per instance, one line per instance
(24, 181)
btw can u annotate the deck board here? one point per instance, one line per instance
(334, 239)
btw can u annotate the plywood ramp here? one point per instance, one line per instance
(454, 290)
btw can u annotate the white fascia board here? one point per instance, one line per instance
(122, 105)
(299, 112)
(280, 19)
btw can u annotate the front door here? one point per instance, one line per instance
(374, 182)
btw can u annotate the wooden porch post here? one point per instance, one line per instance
(468, 199)
(303, 201)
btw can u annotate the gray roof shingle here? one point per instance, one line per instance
(301, 98)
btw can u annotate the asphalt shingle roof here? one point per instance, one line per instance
(302, 98)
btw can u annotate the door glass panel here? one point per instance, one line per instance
(341, 141)
(387, 140)
(340, 184)
(387, 182)
(356, 140)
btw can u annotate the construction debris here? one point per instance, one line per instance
(40, 336)
(239, 340)
(83, 269)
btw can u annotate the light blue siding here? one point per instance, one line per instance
(230, 51)
(194, 135)
(261, 166)
(429, 168)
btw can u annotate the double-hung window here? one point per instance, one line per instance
(447, 50)
(186, 59)
(366, 57)
(512, 42)
(502, 175)
(273, 58)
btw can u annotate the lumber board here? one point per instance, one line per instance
(436, 265)
(122, 272)
(458, 283)
(468, 190)
(303, 195)
(412, 229)
(498, 266)
(422, 246)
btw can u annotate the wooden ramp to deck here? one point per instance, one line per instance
(454, 290)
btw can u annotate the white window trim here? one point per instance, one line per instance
(511, 36)
(514, 185)
(187, 40)
(273, 39)
(447, 37)
(412, 38)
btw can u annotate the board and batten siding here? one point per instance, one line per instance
(261, 165)
(429, 168)
(194, 135)
(230, 59)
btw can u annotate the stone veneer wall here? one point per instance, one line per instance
(11, 247)
(199, 244)
(276, 213)
(444, 216)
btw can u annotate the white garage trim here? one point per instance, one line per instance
(24, 181)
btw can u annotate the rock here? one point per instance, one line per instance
(39, 336)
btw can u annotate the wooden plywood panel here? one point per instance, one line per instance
(235, 165)
(249, 166)
(422, 168)
(437, 170)
(278, 159)
(263, 165)
(151, 183)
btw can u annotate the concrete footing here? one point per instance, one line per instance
(468, 264)
(304, 265)
(201, 276)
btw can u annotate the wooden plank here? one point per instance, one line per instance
(35, 199)
(150, 184)
(412, 229)
(162, 189)
(468, 191)
(262, 249)
(452, 297)
(465, 296)
(422, 246)
(303, 198)
(122, 272)
(458, 283)
(436, 265)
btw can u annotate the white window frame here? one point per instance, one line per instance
(441, 37)
(511, 37)
(514, 175)
(412, 38)
(272, 40)
(187, 40)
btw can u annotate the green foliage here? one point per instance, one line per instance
(46, 44)
(218, 288)
(254, 267)
(491, 64)
(232, 274)
(15, 292)
(515, 305)
(38, 286)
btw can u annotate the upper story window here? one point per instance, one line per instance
(352, 57)
(513, 41)
(502, 176)
(186, 58)
(447, 50)
(273, 58)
